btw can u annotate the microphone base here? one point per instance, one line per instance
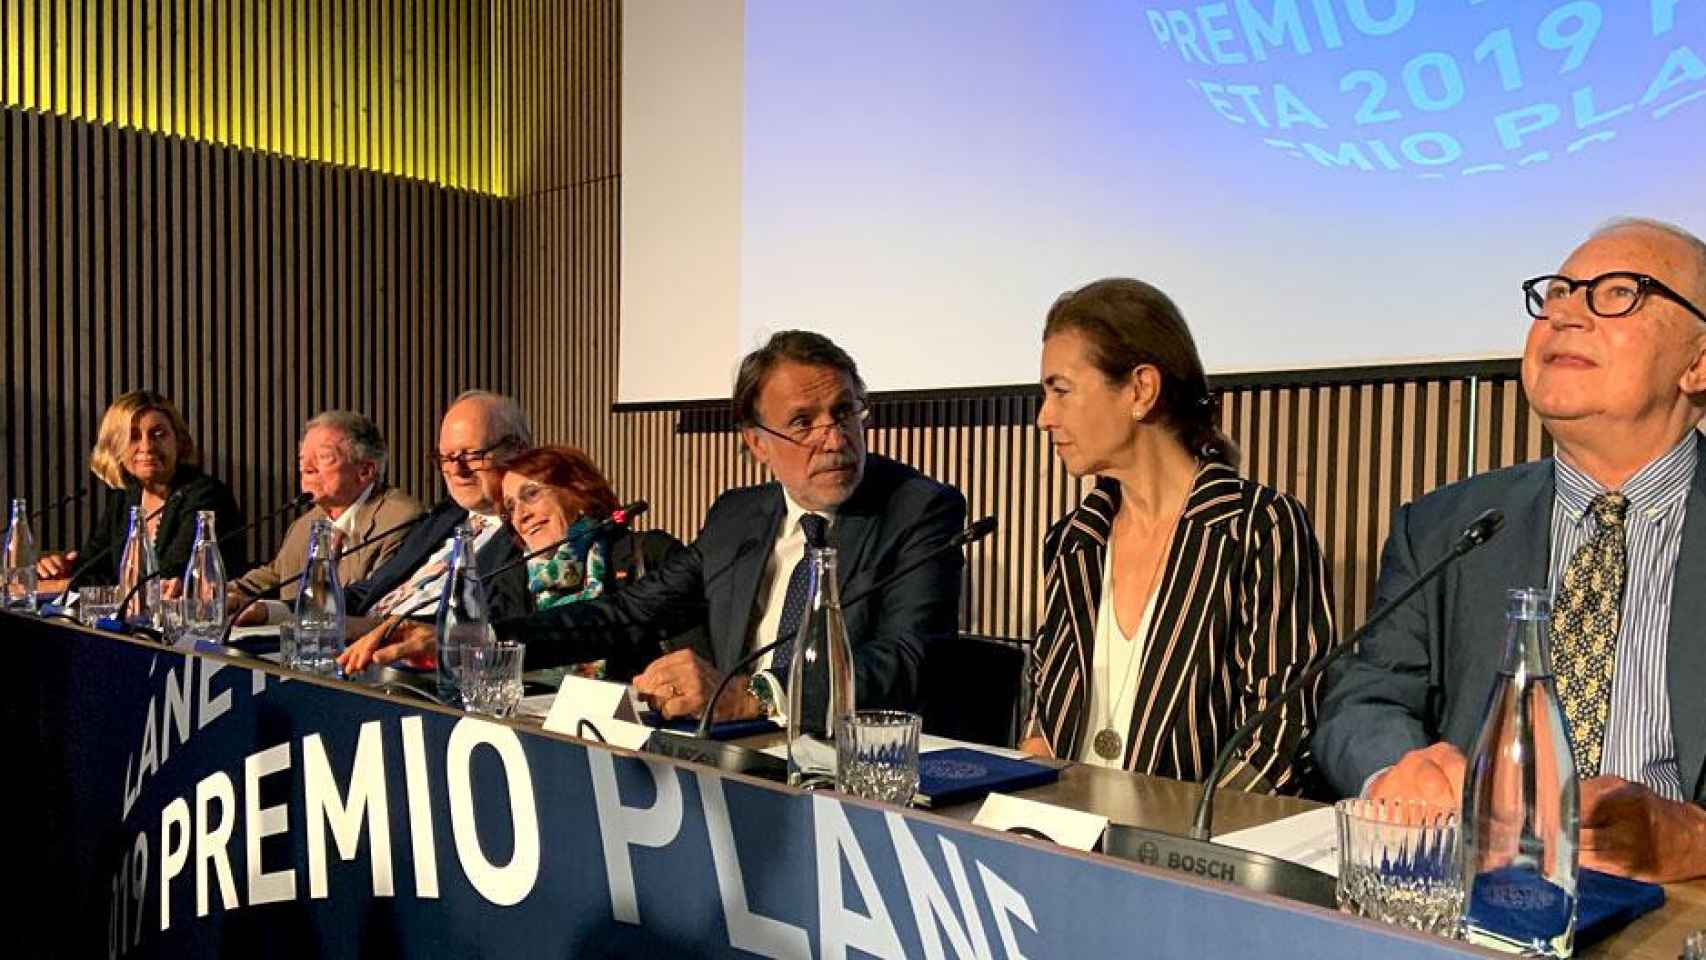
(1212, 861)
(715, 753)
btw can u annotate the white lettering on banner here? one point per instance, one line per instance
(131, 791)
(170, 711)
(177, 713)
(212, 708)
(149, 752)
(748, 931)
(510, 884)
(1006, 903)
(260, 823)
(621, 826)
(211, 842)
(420, 808)
(930, 904)
(344, 816)
(173, 856)
(839, 927)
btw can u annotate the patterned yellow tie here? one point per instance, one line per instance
(1584, 630)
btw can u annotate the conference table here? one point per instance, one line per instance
(198, 803)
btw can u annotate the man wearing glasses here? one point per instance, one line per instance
(478, 430)
(341, 462)
(801, 408)
(1614, 524)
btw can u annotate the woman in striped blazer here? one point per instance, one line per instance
(1179, 595)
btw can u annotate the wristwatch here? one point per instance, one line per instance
(765, 690)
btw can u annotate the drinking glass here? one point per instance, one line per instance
(96, 603)
(878, 755)
(496, 674)
(1398, 864)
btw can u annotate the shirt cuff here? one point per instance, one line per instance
(775, 697)
(1363, 793)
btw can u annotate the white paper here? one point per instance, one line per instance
(621, 733)
(1069, 828)
(582, 699)
(1310, 839)
(269, 631)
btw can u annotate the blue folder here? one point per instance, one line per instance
(1525, 907)
(959, 774)
(1606, 904)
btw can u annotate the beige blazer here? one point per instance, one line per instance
(385, 508)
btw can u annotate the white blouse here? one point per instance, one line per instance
(1113, 672)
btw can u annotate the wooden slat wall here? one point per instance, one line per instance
(136, 258)
(254, 290)
(395, 86)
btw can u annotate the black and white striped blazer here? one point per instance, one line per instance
(1244, 605)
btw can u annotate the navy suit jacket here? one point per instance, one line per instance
(507, 595)
(1426, 674)
(894, 516)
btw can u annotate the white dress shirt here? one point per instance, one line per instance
(790, 546)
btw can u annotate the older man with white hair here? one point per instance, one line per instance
(1615, 365)
(341, 462)
(479, 431)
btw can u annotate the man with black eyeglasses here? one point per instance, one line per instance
(479, 429)
(801, 408)
(1614, 524)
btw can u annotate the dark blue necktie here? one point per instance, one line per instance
(799, 596)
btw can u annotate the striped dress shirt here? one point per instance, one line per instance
(1243, 605)
(1638, 741)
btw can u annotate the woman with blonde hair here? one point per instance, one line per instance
(144, 451)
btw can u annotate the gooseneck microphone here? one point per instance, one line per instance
(256, 596)
(297, 503)
(1196, 853)
(69, 498)
(958, 541)
(1479, 531)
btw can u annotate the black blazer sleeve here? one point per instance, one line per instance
(1287, 625)
(632, 556)
(922, 609)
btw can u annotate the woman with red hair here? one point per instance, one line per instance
(557, 495)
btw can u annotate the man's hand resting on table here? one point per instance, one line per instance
(679, 684)
(409, 639)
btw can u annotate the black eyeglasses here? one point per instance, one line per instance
(474, 460)
(810, 435)
(1615, 294)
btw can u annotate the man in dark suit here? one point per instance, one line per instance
(478, 429)
(801, 406)
(1615, 365)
